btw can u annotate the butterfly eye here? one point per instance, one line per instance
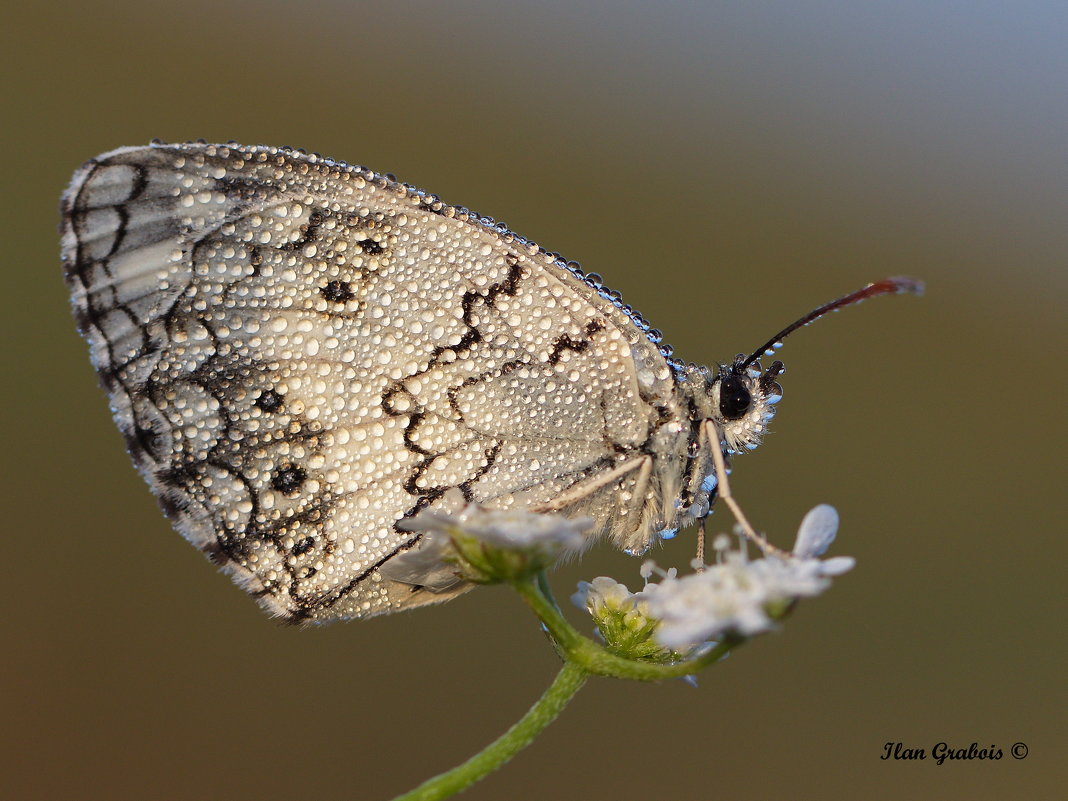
(734, 397)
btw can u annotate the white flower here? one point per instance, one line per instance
(622, 619)
(742, 597)
(514, 529)
(601, 595)
(518, 529)
(492, 545)
(727, 597)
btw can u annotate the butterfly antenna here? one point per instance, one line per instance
(888, 286)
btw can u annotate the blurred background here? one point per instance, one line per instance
(727, 166)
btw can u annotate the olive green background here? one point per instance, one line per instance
(726, 166)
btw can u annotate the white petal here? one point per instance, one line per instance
(425, 565)
(817, 531)
(837, 566)
(579, 597)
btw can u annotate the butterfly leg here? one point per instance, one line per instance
(724, 490)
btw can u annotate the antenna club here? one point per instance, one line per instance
(906, 284)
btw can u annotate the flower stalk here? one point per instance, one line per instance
(545, 710)
(670, 629)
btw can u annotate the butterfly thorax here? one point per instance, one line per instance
(739, 406)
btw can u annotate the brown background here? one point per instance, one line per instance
(727, 167)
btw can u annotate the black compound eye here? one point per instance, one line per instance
(734, 397)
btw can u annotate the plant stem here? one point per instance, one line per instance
(567, 682)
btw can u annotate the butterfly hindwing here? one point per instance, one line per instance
(300, 354)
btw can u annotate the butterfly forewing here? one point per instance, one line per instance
(300, 354)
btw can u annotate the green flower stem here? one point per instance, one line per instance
(568, 681)
(596, 659)
(582, 657)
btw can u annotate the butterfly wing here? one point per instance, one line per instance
(301, 354)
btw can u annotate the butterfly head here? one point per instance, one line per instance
(742, 399)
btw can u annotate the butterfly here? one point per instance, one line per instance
(302, 355)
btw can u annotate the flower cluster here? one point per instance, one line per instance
(622, 619)
(488, 546)
(742, 597)
(669, 620)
